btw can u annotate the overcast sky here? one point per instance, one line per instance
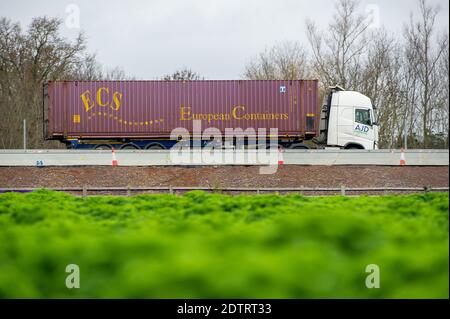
(213, 37)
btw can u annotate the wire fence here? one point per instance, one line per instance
(133, 190)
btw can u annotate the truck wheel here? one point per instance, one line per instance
(105, 147)
(354, 147)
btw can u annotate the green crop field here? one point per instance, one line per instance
(211, 245)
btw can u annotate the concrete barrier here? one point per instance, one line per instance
(227, 157)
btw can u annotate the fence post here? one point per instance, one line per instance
(342, 190)
(128, 190)
(84, 190)
(170, 190)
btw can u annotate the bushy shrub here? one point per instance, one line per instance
(210, 245)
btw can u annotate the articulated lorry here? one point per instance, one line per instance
(144, 114)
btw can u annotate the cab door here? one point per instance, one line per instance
(363, 127)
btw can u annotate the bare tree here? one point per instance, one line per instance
(89, 69)
(184, 74)
(406, 79)
(424, 54)
(337, 53)
(380, 75)
(343, 55)
(27, 60)
(286, 61)
(443, 99)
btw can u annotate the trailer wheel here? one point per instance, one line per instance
(155, 146)
(299, 146)
(129, 146)
(105, 147)
(275, 147)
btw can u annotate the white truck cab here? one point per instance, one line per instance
(348, 121)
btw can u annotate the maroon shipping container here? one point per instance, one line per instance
(152, 109)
